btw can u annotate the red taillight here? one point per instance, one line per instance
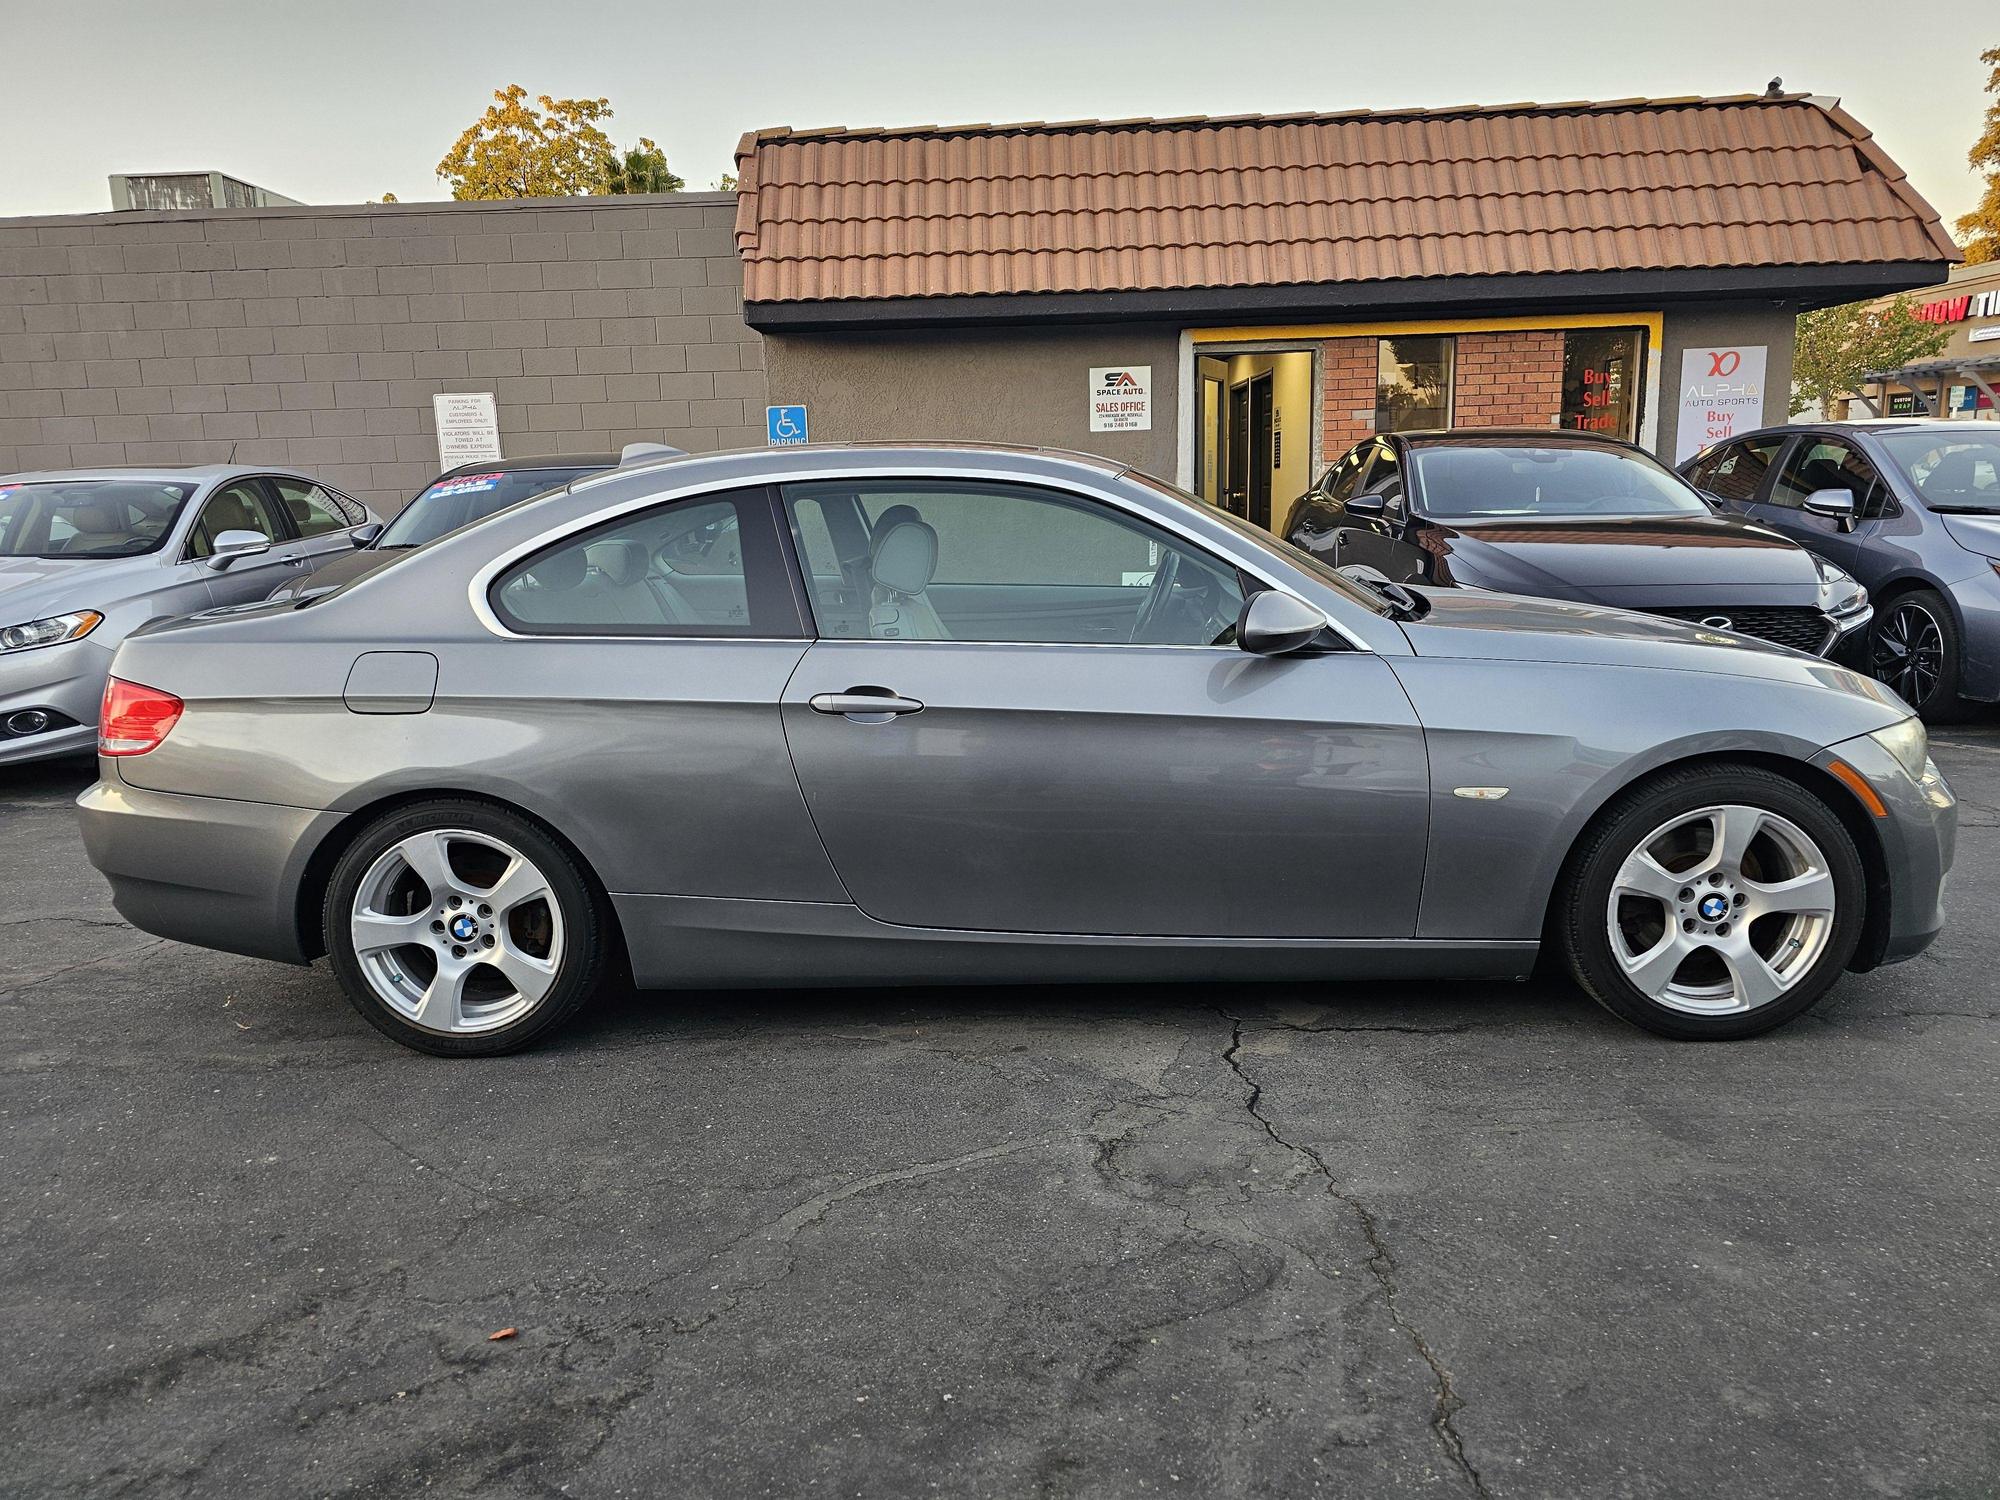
(135, 718)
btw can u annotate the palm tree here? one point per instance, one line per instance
(642, 169)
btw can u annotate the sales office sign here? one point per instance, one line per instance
(1121, 399)
(1722, 394)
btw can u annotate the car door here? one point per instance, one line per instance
(1737, 474)
(1013, 767)
(320, 521)
(246, 504)
(1816, 462)
(1379, 541)
(1315, 524)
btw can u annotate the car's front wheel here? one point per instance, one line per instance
(462, 929)
(1713, 903)
(1913, 646)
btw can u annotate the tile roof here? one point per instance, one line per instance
(1256, 200)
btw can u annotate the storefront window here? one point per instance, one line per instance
(1602, 378)
(1413, 383)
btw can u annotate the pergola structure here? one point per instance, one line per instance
(1929, 380)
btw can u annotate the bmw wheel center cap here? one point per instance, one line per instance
(463, 928)
(1714, 908)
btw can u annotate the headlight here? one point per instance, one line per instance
(1909, 743)
(50, 632)
(1842, 591)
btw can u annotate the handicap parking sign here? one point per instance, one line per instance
(784, 425)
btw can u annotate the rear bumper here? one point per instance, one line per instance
(204, 870)
(1919, 839)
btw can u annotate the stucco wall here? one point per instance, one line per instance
(1725, 324)
(1002, 386)
(315, 337)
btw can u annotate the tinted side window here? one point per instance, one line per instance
(1824, 464)
(242, 506)
(968, 560)
(313, 511)
(1739, 469)
(1385, 475)
(700, 567)
(1342, 477)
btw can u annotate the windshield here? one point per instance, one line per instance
(1298, 557)
(464, 498)
(1949, 473)
(87, 517)
(1558, 480)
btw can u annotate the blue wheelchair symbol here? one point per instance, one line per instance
(784, 425)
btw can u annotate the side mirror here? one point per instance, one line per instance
(1837, 504)
(1367, 507)
(1274, 622)
(234, 544)
(364, 536)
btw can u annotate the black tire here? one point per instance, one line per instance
(1582, 926)
(1905, 622)
(579, 962)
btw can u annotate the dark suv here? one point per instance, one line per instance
(1574, 516)
(1911, 507)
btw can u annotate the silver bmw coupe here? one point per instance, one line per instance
(918, 714)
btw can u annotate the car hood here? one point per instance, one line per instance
(32, 588)
(1980, 534)
(1478, 624)
(1570, 557)
(343, 569)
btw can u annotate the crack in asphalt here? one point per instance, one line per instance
(1381, 1266)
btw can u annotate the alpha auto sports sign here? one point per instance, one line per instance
(1722, 394)
(1121, 399)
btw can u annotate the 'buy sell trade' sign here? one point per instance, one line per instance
(1121, 399)
(1722, 394)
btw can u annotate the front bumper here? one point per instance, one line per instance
(66, 680)
(1919, 839)
(204, 870)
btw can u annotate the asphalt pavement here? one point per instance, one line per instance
(1372, 1240)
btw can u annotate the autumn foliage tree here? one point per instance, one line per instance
(515, 150)
(1838, 347)
(1981, 227)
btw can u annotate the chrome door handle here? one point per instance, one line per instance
(862, 705)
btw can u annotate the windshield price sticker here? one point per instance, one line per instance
(466, 484)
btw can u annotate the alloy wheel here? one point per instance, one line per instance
(1721, 910)
(457, 932)
(1909, 652)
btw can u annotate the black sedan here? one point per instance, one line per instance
(1571, 516)
(456, 498)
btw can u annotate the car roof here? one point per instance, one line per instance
(836, 457)
(528, 465)
(1861, 426)
(1430, 437)
(157, 473)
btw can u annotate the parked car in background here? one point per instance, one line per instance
(456, 498)
(1571, 516)
(1912, 509)
(88, 556)
(924, 714)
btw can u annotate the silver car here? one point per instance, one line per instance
(914, 714)
(89, 555)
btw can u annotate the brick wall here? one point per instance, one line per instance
(1508, 379)
(1348, 370)
(315, 337)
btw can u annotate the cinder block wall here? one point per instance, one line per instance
(315, 337)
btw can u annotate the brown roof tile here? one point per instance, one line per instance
(1097, 206)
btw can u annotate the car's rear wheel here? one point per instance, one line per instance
(1913, 646)
(462, 929)
(1713, 903)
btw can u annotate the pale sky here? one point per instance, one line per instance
(338, 101)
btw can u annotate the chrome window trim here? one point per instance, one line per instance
(482, 580)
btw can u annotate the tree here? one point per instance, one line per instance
(727, 183)
(643, 169)
(1838, 346)
(1981, 227)
(517, 151)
